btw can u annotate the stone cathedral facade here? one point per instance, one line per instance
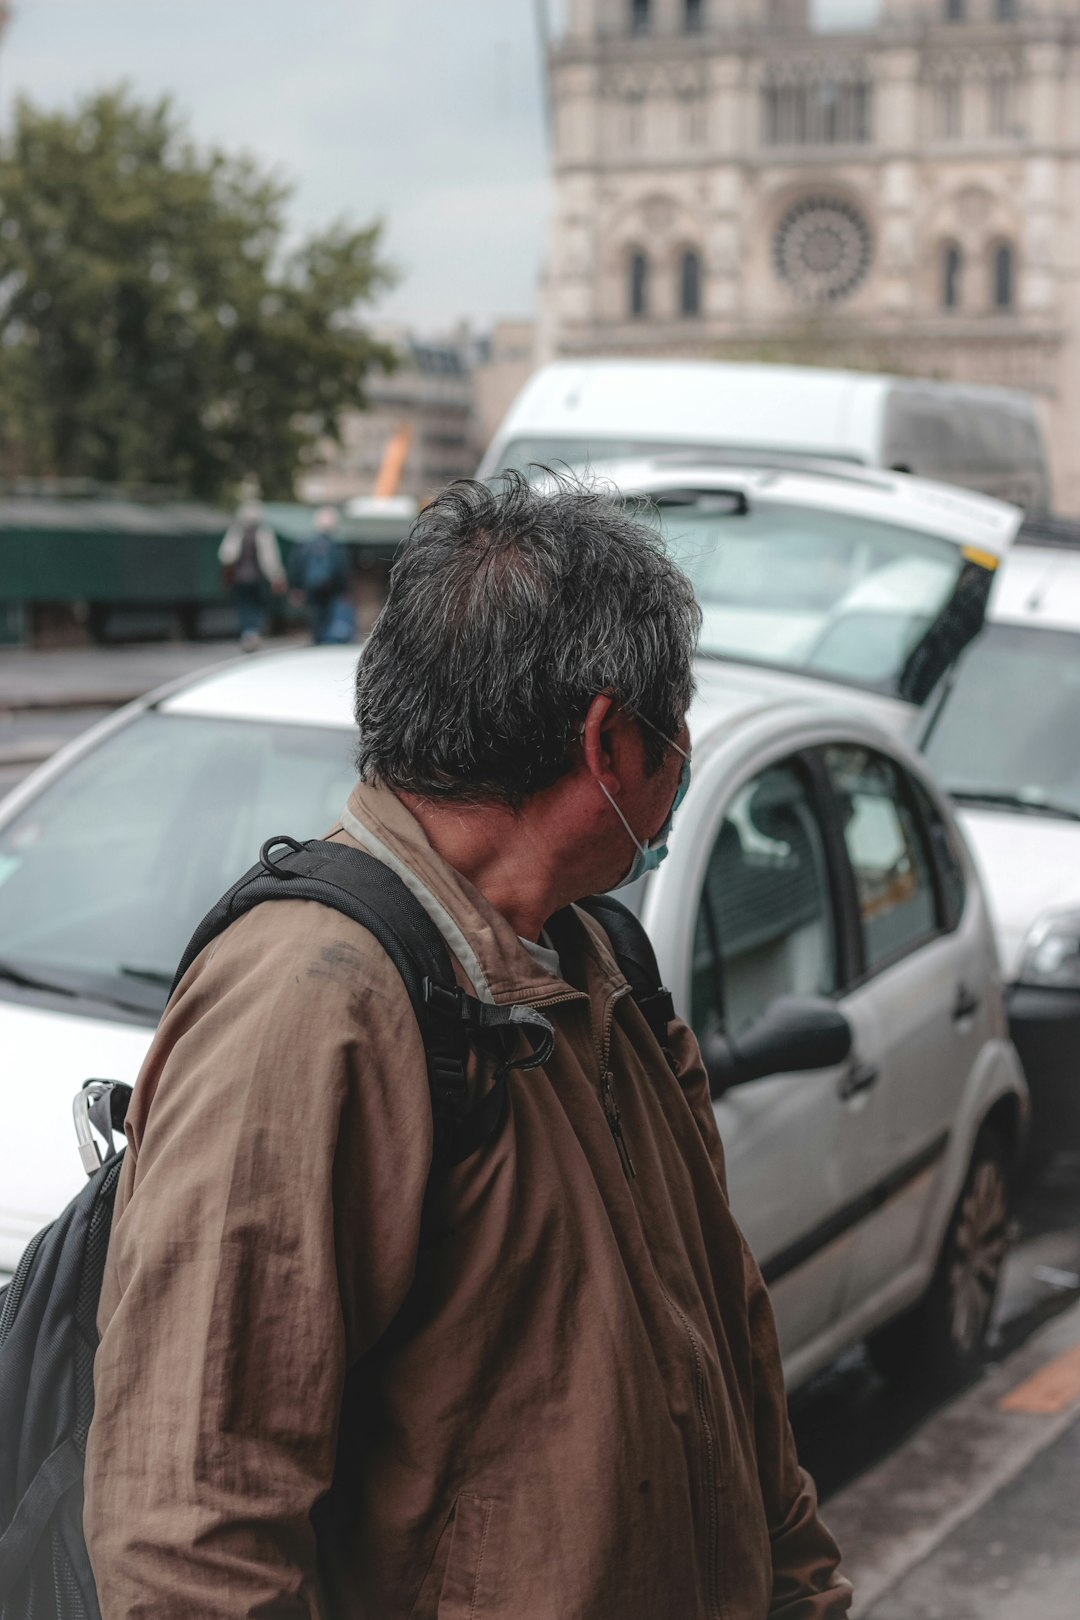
(731, 183)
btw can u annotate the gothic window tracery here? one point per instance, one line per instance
(952, 270)
(1001, 95)
(816, 111)
(638, 284)
(640, 18)
(947, 110)
(1004, 276)
(690, 284)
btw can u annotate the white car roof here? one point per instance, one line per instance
(314, 686)
(1039, 585)
(311, 686)
(971, 521)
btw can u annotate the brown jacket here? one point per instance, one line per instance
(531, 1388)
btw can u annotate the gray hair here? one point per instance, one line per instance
(510, 608)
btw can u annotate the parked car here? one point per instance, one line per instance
(1004, 738)
(580, 412)
(818, 920)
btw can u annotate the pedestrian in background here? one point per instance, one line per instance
(251, 564)
(319, 570)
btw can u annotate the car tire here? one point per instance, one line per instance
(940, 1342)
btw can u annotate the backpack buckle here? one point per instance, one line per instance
(92, 1108)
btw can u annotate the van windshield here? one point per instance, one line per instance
(843, 597)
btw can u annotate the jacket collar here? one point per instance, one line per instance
(484, 942)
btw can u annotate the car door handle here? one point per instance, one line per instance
(966, 1004)
(860, 1077)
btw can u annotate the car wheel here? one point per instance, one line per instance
(941, 1341)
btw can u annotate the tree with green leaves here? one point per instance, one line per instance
(154, 328)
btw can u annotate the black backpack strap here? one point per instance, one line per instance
(363, 888)
(637, 959)
(60, 1471)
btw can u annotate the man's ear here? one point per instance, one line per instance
(596, 739)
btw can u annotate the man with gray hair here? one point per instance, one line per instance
(543, 1383)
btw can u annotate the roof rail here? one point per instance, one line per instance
(841, 468)
(1044, 530)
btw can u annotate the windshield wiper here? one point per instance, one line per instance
(148, 975)
(85, 988)
(11, 974)
(1001, 798)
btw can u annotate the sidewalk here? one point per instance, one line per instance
(100, 677)
(977, 1517)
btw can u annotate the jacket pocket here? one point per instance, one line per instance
(470, 1585)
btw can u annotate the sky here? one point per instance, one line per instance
(427, 114)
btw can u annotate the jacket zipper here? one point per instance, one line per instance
(614, 1119)
(607, 1080)
(712, 1524)
(607, 1090)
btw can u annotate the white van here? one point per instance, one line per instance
(577, 412)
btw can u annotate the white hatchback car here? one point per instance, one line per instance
(1004, 739)
(818, 921)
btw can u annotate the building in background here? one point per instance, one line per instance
(419, 420)
(428, 421)
(731, 183)
(506, 362)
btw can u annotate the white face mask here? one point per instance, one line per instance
(648, 856)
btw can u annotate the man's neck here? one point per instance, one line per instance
(500, 853)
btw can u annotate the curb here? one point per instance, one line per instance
(896, 1515)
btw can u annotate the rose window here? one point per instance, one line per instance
(822, 249)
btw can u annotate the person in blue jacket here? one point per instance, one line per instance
(320, 577)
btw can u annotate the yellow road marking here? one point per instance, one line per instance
(1051, 1389)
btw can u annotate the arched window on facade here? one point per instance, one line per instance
(639, 284)
(693, 16)
(954, 10)
(690, 284)
(952, 271)
(639, 16)
(1004, 274)
(1006, 10)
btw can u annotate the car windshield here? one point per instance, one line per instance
(1009, 725)
(840, 596)
(106, 873)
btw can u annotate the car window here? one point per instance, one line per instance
(105, 874)
(942, 840)
(764, 924)
(886, 847)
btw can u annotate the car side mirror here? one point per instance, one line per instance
(793, 1035)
